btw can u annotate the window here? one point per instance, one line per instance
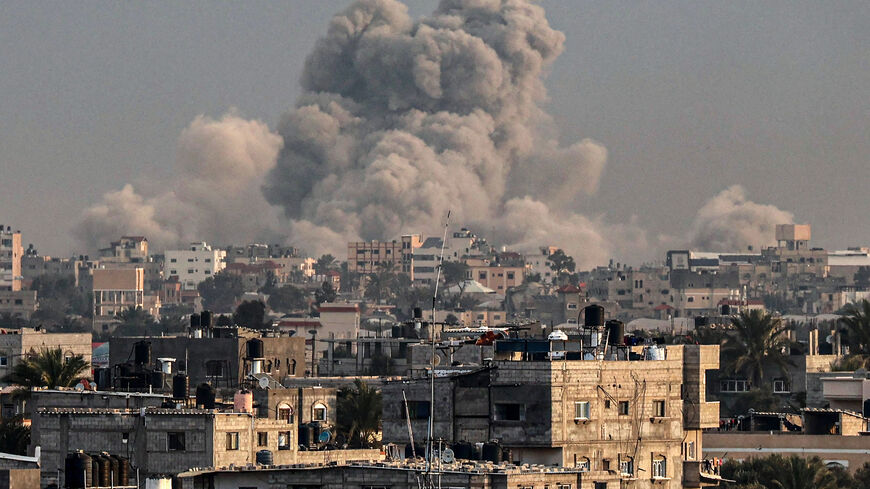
(581, 410)
(175, 441)
(262, 439)
(626, 466)
(583, 464)
(285, 412)
(659, 468)
(172, 260)
(481, 275)
(214, 368)
(659, 409)
(572, 306)
(780, 386)
(284, 440)
(416, 409)
(623, 408)
(690, 299)
(173, 272)
(600, 485)
(233, 440)
(4, 361)
(734, 385)
(318, 412)
(510, 412)
(690, 451)
(510, 275)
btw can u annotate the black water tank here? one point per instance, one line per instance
(114, 469)
(255, 348)
(156, 379)
(397, 331)
(195, 321)
(180, 386)
(418, 313)
(615, 332)
(105, 470)
(726, 310)
(142, 352)
(492, 452)
(124, 471)
(103, 378)
(205, 396)
(264, 457)
(593, 316)
(701, 321)
(95, 472)
(205, 319)
(417, 449)
(464, 451)
(78, 471)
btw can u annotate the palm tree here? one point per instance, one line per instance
(800, 473)
(856, 321)
(14, 436)
(359, 414)
(48, 368)
(381, 283)
(758, 342)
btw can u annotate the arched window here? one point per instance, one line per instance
(318, 412)
(659, 467)
(285, 412)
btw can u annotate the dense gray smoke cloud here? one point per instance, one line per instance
(403, 120)
(400, 121)
(215, 194)
(731, 222)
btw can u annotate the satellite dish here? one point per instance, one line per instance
(80, 387)
(447, 456)
(264, 382)
(830, 339)
(324, 437)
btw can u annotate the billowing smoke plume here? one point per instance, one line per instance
(403, 120)
(730, 222)
(215, 194)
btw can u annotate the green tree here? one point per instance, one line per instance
(324, 264)
(382, 283)
(862, 277)
(758, 341)
(9, 320)
(778, 472)
(451, 319)
(251, 314)
(220, 292)
(326, 293)
(856, 321)
(862, 476)
(48, 368)
(532, 277)
(287, 299)
(14, 436)
(562, 265)
(58, 296)
(349, 280)
(359, 414)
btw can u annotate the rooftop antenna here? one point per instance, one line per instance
(432, 365)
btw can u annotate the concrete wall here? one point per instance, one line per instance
(849, 451)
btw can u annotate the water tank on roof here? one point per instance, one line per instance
(593, 316)
(254, 348)
(156, 379)
(701, 321)
(180, 386)
(114, 469)
(205, 319)
(726, 310)
(78, 471)
(195, 321)
(104, 470)
(205, 396)
(142, 353)
(557, 335)
(264, 457)
(492, 452)
(615, 332)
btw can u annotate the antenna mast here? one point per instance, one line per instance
(432, 365)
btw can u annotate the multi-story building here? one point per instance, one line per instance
(194, 264)
(16, 344)
(614, 420)
(496, 277)
(539, 263)
(11, 252)
(365, 257)
(20, 304)
(128, 249)
(116, 290)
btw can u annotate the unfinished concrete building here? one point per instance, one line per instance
(637, 420)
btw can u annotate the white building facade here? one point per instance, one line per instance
(194, 264)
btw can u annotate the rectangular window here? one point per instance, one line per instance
(626, 466)
(416, 409)
(572, 306)
(600, 485)
(481, 275)
(284, 440)
(319, 413)
(262, 439)
(175, 441)
(659, 409)
(581, 410)
(734, 386)
(233, 440)
(510, 275)
(4, 361)
(780, 386)
(623, 408)
(510, 412)
(172, 260)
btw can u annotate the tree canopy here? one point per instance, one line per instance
(758, 342)
(287, 299)
(251, 314)
(359, 414)
(48, 368)
(220, 292)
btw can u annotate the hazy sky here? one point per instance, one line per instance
(689, 98)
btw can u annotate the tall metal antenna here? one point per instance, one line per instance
(432, 366)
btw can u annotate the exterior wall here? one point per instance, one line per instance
(497, 278)
(11, 252)
(849, 451)
(19, 478)
(194, 264)
(17, 343)
(116, 290)
(364, 257)
(20, 303)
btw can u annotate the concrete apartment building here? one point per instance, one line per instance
(615, 420)
(365, 257)
(18, 303)
(496, 277)
(194, 264)
(128, 249)
(117, 289)
(11, 252)
(15, 344)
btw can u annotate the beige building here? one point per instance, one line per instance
(619, 422)
(11, 251)
(116, 290)
(15, 344)
(19, 304)
(365, 257)
(496, 277)
(128, 249)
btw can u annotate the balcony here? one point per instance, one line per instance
(701, 473)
